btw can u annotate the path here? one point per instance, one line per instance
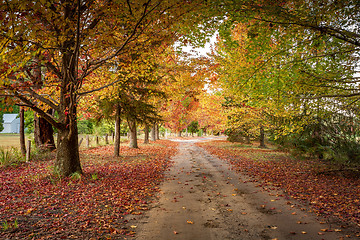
(203, 199)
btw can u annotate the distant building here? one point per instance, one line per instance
(11, 123)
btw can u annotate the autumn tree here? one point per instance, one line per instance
(186, 81)
(73, 40)
(210, 114)
(286, 58)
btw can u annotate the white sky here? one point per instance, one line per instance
(201, 51)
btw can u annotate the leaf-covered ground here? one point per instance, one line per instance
(329, 193)
(36, 204)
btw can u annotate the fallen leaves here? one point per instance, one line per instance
(92, 206)
(304, 180)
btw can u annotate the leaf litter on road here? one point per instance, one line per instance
(329, 195)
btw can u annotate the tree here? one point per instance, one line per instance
(1, 121)
(117, 130)
(22, 132)
(74, 41)
(186, 81)
(278, 59)
(146, 133)
(210, 114)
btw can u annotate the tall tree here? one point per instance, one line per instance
(74, 40)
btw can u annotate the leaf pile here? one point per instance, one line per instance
(328, 193)
(36, 204)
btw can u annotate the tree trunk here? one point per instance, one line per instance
(262, 137)
(247, 140)
(43, 133)
(153, 132)
(67, 154)
(157, 132)
(117, 131)
(22, 132)
(179, 134)
(133, 134)
(146, 132)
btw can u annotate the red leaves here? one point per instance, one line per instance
(92, 205)
(328, 194)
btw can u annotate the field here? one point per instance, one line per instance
(13, 140)
(10, 140)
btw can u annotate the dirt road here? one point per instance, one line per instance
(202, 198)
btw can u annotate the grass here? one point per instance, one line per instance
(13, 140)
(10, 157)
(10, 140)
(252, 151)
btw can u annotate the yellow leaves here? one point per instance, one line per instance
(30, 210)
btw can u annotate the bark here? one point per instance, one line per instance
(22, 132)
(133, 134)
(43, 131)
(117, 131)
(146, 132)
(247, 140)
(262, 137)
(67, 154)
(153, 132)
(43, 134)
(157, 132)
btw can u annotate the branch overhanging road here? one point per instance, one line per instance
(202, 198)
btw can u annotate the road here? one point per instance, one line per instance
(202, 198)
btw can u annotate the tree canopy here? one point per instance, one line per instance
(281, 64)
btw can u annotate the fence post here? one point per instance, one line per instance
(28, 150)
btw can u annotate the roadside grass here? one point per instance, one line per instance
(327, 189)
(37, 203)
(253, 151)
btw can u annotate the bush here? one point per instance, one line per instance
(331, 139)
